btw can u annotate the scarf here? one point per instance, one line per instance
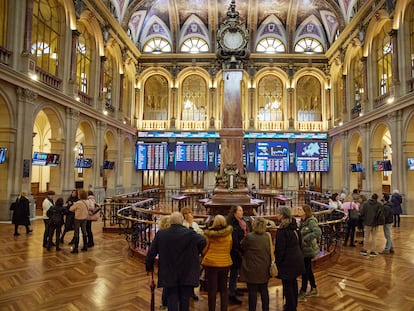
(243, 225)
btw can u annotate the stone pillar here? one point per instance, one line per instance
(67, 162)
(56, 176)
(28, 61)
(327, 116)
(74, 56)
(366, 157)
(23, 142)
(364, 95)
(398, 161)
(121, 93)
(344, 97)
(211, 109)
(290, 112)
(174, 108)
(101, 77)
(252, 108)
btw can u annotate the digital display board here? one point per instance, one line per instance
(151, 156)
(272, 156)
(82, 162)
(356, 167)
(191, 156)
(312, 156)
(381, 166)
(3, 152)
(410, 162)
(39, 158)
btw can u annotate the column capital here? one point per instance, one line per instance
(26, 95)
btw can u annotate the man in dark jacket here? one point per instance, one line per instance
(178, 249)
(388, 206)
(368, 212)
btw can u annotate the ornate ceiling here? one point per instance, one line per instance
(287, 20)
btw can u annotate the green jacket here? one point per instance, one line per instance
(310, 232)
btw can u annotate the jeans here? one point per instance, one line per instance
(80, 223)
(52, 230)
(178, 298)
(89, 233)
(252, 290)
(308, 275)
(217, 281)
(387, 234)
(350, 232)
(370, 235)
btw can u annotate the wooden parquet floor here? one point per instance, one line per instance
(107, 278)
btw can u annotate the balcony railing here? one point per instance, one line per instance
(270, 125)
(154, 124)
(193, 125)
(309, 126)
(49, 79)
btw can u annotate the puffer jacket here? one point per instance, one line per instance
(310, 233)
(368, 212)
(217, 250)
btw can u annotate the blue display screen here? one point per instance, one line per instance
(272, 157)
(151, 156)
(191, 156)
(312, 156)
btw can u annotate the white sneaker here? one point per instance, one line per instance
(302, 296)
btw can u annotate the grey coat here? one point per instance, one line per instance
(256, 258)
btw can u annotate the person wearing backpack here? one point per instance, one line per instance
(351, 210)
(369, 212)
(388, 206)
(55, 214)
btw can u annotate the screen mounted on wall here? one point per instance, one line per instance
(312, 156)
(82, 162)
(410, 162)
(191, 156)
(3, 152)
(108, 165)
(151, 156)
(381, 166)
(272, 156)
(39, 158)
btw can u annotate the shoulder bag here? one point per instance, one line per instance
(273, 268)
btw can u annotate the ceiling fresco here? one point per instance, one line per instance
(321, 19)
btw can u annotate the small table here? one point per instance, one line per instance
(181, 201)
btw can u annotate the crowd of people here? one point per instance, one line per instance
(77, 213)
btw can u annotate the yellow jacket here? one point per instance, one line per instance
(217, 250)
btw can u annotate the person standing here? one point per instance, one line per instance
(396, 200)
(81, 210)
(70, 216)
(351, 210)
(368, 213)
(190, 223)
(91, 208)
(47, 203)
(288, 256)
(178, 249)
(55, 215)
(235, 219)
(21, 213)
(309, 233)
(256, 263)
(388, 206)
(217, 261)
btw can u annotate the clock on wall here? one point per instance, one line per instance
(232, 36)
(233, 39)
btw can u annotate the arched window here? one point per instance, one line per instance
(308, 45)
(84, 59)
(357, 86)
(194, 99)
(156, 46)
(411, 32)
(194, 45)
(108, 76)
(270, 45)
(270, 99)
(156, 98)
(383, 59)
(308, 103)
(45, 35)
(4, 9)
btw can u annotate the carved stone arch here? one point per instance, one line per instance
(116, 53)
(374, 28)
(88, 132)
(271, 27)
(93, 27)
(194, 27)
(121, 8)
(70, 13)
(352, 50)
(317, 73)
(311, 27)
(8, 115)
(399, 13)
(274, 71)
(190, 71)
(147, 73)
(155, 28)
(377, 133)
(54, 118)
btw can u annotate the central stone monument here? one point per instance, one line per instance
(231, 177)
